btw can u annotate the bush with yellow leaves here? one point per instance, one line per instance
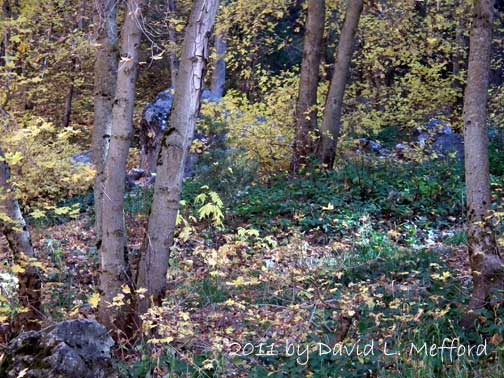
(42, 169)
(262, 130)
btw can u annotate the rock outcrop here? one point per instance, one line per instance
(154, 124)
(440, 138)
(70, 349)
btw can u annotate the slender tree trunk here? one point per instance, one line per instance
(7, 15)
(69, 97)
(114, 267)
(105, 72)
(174, 149)
(331, 125)
(458, 55)
(14, 228)
(172, 38)
(219, 73)
(458, 60)
(306, 112)
(73, 72)
(486, 262)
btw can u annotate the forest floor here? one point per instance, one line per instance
(316, 262)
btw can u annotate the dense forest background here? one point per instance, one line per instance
(199, 176)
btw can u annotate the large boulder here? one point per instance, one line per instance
(439, 137)
(70, 349)
(154, 124)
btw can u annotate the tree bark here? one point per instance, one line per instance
(174, 150)
(69, 97)
(114, 267)
(486, 263)
(306, 112)
(331, 125)
(219, 73)
(105, 72)
(14, 228)
(172, 38)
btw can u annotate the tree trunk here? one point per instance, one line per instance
(306, 112)
(105, 72)
(73, 72)
(458, 54)
(219, 73)
(172, 38)
(331, 125)
(114, 267)
(69, 97)
(6, 15)
(174, 149)
(14, 228)
(486, 263)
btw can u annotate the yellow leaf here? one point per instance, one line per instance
(229, 330)
(37, 214)
(94, 300)
(125, 289)
(165, 340)
(17, 269)
(208, 364)
(431, 41)
(329, 207)
(74, 311)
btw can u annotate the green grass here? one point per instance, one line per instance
(458, 238)
(416, 297)
(210, 291)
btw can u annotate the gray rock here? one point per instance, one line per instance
(135, 174)
(70, 349)
(157, 113)
(439, 137)
(154, 124)
(83, 158)
(448, 144)
(370, 145)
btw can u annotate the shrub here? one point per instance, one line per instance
(40, 157)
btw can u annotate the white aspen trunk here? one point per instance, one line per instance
(105, 73)
(16, 232)
(172, 38)
(114, 269)
(174, 149)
